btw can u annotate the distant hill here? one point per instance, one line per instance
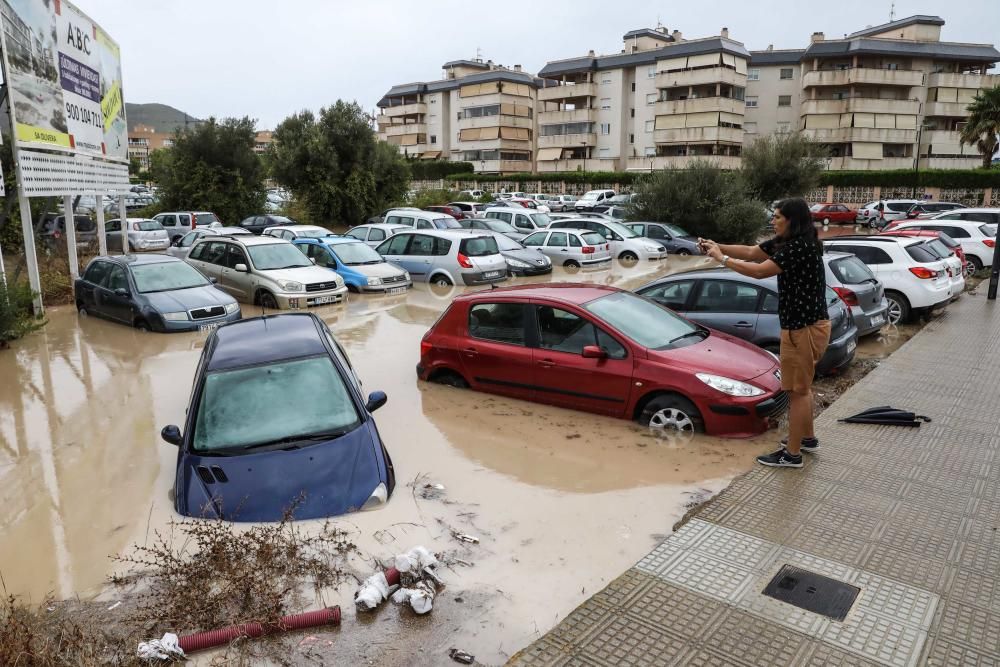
(160, 117)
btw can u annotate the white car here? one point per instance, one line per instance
(524, 220)
(418, 219)
(292, 232)
(914, 278)
(562, 202)
(592, 198)
(974, 228)
(880, 213)
(374, 233)
(472, 194)
(625, 244)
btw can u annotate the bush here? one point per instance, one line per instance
(428, 170)
(425, 198)
(16, 313)
(906, 178)
(782, 165)
(704, 200)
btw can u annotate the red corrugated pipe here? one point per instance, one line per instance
(213, 638)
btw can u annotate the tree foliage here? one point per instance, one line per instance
(983, 126)
(334, 165)
(433, 169)
(16, 318)
(704, 200)
(782, 165)
(212, 167)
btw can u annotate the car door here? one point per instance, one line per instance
(726, 305)
(495, 352)
(90, 283)
(209, 258)
(557, 247)
(394, 250)
(110, 302)
(237, 283)
(659, 234)
(522, 222)
(564, 377)
(169, 223)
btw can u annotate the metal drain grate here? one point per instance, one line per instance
(812, 592)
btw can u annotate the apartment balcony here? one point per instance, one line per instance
(495, 121)
(405, 109)
(400, 129)
(569, 116)
(861, 105)
(563, 92)
(839, 163)
(866, 75)
(700, 104)
(950, 80)
(655, 163)
(684, 135)
(503, 166)
(492, 144)
(567, 140)
(947, 109)
(700, 77)
(590, 164)
(864, 134)
(951, 162)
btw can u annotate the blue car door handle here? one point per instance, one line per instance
(743, 325)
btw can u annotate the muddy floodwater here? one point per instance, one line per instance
(561, 501)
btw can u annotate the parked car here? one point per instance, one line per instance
(258, 223)
(593, 215)
(877, 214)
(571, 248)
(53, 229)
(625, 244)
(522, 261)
(523, 221)
(278, 419)
(929, 209)
(362, 269)
(472, 194)
(493, 225)
(562, 203)
(605, 350)
(380, 218)
(292, 232)
(526, 202)
(447, 257)
(373, 234)
(421, 219)
(915, 281)
(855, 283)
(265, 271)
(182, 246)
(954, 246)
(454, 211)
(471, 209)
(143, 234)
(838, 214)
(976, 236)
(152, 293)
(618, 201)
(592, 198)
(675, 239)
(179, 223)
(748, 308)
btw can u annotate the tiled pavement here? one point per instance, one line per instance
(909, 516)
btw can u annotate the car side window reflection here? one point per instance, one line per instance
(116, 279)
(562, 331)
(498, 322)
(673, 295)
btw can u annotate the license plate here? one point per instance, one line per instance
(493, 274)
(205, 328)
(396, 290)
(851, 346)
(878, 321)
(320, 300)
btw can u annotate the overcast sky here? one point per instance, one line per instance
(268, 59)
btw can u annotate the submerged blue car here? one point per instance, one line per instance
(362, 269)
(278, 422)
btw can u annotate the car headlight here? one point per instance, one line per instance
(729, 386)
(372, 282)
(232, 308)
(377, 498)
(175, 317)
(406, 274)
(517, 264)
(291, 286)
(653, 248)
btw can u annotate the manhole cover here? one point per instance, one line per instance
(812, 592)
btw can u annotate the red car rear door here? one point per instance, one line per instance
(494, 350)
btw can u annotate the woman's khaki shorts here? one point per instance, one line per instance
(801, 349)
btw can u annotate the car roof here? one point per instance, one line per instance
(429, 215)
(876, 239)
(720, 273)
(136, 260)
(381, 225)
(575, 230)
(252, 240)
(451, 233)
(240, 343)
(575, 293)
(974, 210)
(335, 240)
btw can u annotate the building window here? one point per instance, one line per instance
(434, 139)
(750, 128)
(606, 81)
(784, 127)
(633, 86)
(753, 74)
(784, 101)
(751, 101)
(605, 128)
(651, 72)
(650, 151)
(631, 138)
(604, 153)
(605, 103)
(786, 73)
(652, 98)
(631, 113)
(649, 125)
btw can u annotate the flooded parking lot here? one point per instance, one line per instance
(562, 501)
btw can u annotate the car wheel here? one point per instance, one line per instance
(267, 300)
(826, 222)
(672, 413)
(82, 309)
(628, 258)
(142, 325)
(977, 264)
(571, 264)
(451, 378)
(871, 222)
(968, 269)
(442, 281)
(683, 251)
(899, 308)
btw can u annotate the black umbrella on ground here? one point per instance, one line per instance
(887, 415)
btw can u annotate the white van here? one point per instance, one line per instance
(592, 198)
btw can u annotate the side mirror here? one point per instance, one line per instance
(171, 434)
(593, 352)
(911, 214)
(376, 400)
(312, 259)
(213, 280)
(176, 242)
(242, 268)
(121, 291)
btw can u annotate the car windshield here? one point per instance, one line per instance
(499, 226)
(620, 229)
(353, 254)
(281, 220)
(479, 247)
(642, 321)
(146, 226)
(590, 196)
(988, 230)
(313, 233)
(540, 219)
(277, 256)
(279, 403)
(851, 270)
(166, 276)
(505, 243)
(205, 218)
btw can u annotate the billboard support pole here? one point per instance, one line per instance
(69, 218)
(123, 218)
(102, 240)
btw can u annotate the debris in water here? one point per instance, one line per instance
(115, 605)
(166, 648)
(438, 487)
(461, 537)
(461, 656)
(420, 596)
(372, 593)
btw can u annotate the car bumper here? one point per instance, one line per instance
(480, 279)
(386, 288)
(170, 326)
(655, 256)
(839, 353)
(150, 245)
(869, 323)
(930, 296)
(595, 263)
(743, 417)
(531, 270)
(309, 300)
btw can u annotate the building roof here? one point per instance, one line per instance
(782, 57)
(648, 32)
(892, 47)
(901, 23)
(592, 63)
(454, 84)
(465, 63)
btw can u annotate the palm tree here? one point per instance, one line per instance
(983, 126)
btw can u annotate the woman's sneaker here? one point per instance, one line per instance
(780, 459)
(809, 445)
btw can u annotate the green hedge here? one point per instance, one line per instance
(428, 170)
(935, 178)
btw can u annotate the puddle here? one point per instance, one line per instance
(562, 501)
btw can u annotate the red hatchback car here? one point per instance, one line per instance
(833, 213)
(453, 211)
(604, 350)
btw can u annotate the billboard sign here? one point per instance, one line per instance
(65, 80)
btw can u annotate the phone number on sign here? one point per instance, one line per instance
(84, 115)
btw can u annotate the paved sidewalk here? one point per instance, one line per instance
(908, 516)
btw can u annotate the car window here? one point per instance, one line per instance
(920, 253)
(479, 247)
(770, 304)
(593, 238)
(499, 322)
(899, 207)
(611, 347)
(376, 234)
(234, 255)
(148, 226)
(655, 232)
(557, 239)
(189, 239)
(562, 331)
(938, 248)
(323, 256)
(167, 220)
(638, 229)
(184, 220)
(726, 296)
(395, 246)
(851, 271)
(536, 239)
(978, 216)
(206, 218)
(359, 234)
(116, 278)
(215, 253)
(96, 272)
(954, 232)
(423, 224)
(673, 295)
(446, 223)
(574, 241)
(988, 230)
(421, 246)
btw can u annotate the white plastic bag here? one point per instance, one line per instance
(166, 648)
(372, 592)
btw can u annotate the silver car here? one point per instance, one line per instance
(493, 225)
(143, 234)
(266, 271)
(182, 246)
(292, 232)
(522, 219)
(626, 245)
(571, 248)
(447, 257)
(374, 233)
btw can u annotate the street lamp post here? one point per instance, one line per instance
(584, 144)
(916, 158)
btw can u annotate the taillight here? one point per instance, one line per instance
(848, 296)
(425, 348)
(464, 262)
(588, 250)
(989, 243)
(923, 272)
(194, 222)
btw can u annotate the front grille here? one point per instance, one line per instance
(205, 313)
(394, 279)
(773, 406)
(321, 287)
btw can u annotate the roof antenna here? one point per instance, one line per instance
(892, 13)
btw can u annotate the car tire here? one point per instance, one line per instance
(871, 223)
(672, 412)
(968, 269)
(451, 379)
(899, 308)
(628, 257)
(267, 300)
(142, 325)
(976, 263)
(826, 222)
(571, 264)
(683, 251)
(442, 280)
(81, 309)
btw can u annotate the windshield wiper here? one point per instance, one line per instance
(290, 266)
(696, 332)
(305, 437)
